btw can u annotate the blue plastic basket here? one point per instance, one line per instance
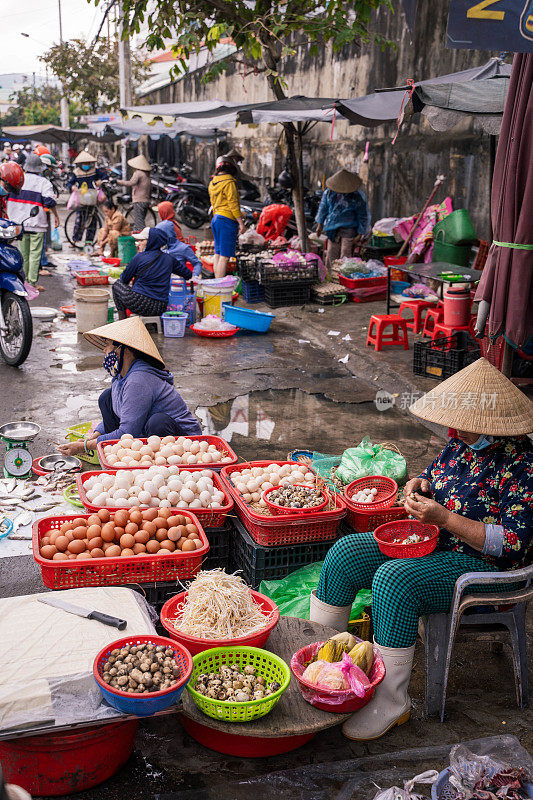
(174, 323)
(397, 287)
(247, 318)
(252, 292)
(143, 705)
(180, 299)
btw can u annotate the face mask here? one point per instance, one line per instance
(112, 363)
(86, 167)
(482, 442)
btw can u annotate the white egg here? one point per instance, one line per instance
(202, 484)
(226, 460)
(132, 491)
(185, 475)
(274, 479)
(144, 497)
(247, 497)
(154, 502)
(182, 504)
(122, 453)
(187, 495)
(242, 488)
(120, 494)
(195, 447)
(266, 485)
(256, 497)
(149, 486)
(166, 451)
(186, 444)
(211, 448)
(274, 468)
(178, 450)
(203, 446)
(158, 481)
(195, 504)
(174, 460)
(165, 503)
(137, 444)
(108, 449)
(134, 501)
(206, 473)
(246, 472)
(163, 493)
(215, 505)
(205, 498)
(257, 471)
(89, 483)
(252, 486)
(218, 497)
(91, 494)
(146, 450)
(217, 455)
(173, 470)
(168, 440)
(262, 503)
(154, 442)
(111, 460)
(110, 503)
(98, 487)
(173, 498)
(122, 481)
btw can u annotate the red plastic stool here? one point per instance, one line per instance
(417, 307)
(441, 330)
(381, 321)
(433, 316)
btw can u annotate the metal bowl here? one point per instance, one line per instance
(19, 431)
(58, 463)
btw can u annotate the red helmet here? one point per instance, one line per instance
(13, 175)
(41, 150)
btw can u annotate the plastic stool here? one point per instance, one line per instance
(417, 307)
(441, 330)
(153, 321)
(433, 316)
(380, 322)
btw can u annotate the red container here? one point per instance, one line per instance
(387, 533)
(457, 305)
(219, 443)
(234, 744)
(143, 568)
(363, 521)
(271, 531)
(90, 279)
(387, 491)
(213, 334)
(344, 701)
(283, 511)
(361, 283)
(210, 518)
(114, 262)
(394, 261)
(56, 764)
(195, 645)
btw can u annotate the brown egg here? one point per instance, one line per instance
(67, 526)
(150, 527)
(161, 535)
(173, 520)
(44, 541)
(107, 545)
(79, 521)
(48, 551)
(141, 537)
(69, 535)
(61, 543)
(60, 557)
(188, 545)
(94, 519)
(80, 532)
(76, 546)
(183, 520)
(118, 533)
(93, 530)
(53, 536)
(198, 543)
(127, 552)
(104, 515)
(192, 536)
(97, 553)
(191, 528)
(108, 532)
(96, 541)
(127, 541)
(85, 554)
(136, 516)
(71, 556)
(152, 546)
(150, 514)
(167, 545)
(131, 528)
(139, 548)
(174, 534)
(159, 522)
(113, 551)
(179, 543)
(183, 531)
(165, 513)
(121, 518)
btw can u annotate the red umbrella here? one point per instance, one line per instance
(507, 280)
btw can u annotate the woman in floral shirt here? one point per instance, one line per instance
(479, 491)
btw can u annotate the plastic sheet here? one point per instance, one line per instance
(408, 793)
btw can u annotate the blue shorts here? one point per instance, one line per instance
(225, 231)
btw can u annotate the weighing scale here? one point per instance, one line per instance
(16, 437)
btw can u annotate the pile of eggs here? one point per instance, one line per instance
(253, 481)
(365, 495)
(157, 487)
(169, 450)
(125, 533)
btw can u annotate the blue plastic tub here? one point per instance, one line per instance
(247, 318)
(397, 287)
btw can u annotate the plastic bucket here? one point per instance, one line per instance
(174, 323)
(91, 308)
(126, 249)
(452, 254)
(457, 304)
(456, 228)
(214, 298)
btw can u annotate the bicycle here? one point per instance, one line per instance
(123, 201)
(89, 218)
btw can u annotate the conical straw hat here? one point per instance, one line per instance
(131, 332)
(140, 162)
(85, 158)
(478, 399)
(344, 182)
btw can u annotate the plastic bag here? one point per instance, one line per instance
(56, 240)
(341, 676)
(292, 594)
(252, 237)
(74, 200)
(32, 293)
(372, 459)
(467, 769)
(395, 793)
(273, 220)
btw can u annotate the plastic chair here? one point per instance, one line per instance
(441, 630)
(418, 307)
(153, 321)
(445, 331)
(376, 331)
(433, 316)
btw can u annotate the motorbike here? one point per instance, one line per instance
(191, 202)
(16, 325)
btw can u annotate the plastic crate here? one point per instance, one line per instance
(174, 323)
(268, 271)
(287, 293)
(92, 279)
(362, 283)
(445, 356)
(220, 444)
(115, 571)
(219, 547)
(247, 267)
(252, 292)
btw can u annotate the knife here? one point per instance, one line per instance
(114, 622)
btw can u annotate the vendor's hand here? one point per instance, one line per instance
(72, 448)
(427, 510)
(242, 227)
(319, 229)
(416, 485)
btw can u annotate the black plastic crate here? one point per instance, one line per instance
(257, 563)
(277, 272)
(287, 294)
(445, 356)
(247, 266)
(252, 292)
(219, 554)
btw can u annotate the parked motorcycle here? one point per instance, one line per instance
(16, 325)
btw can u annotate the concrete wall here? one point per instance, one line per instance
(398, 178)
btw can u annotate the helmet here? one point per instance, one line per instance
(41, 150)
(49, 160)
(224, 161)
(13, 175)
(285, 179)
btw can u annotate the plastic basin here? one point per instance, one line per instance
(248, 318)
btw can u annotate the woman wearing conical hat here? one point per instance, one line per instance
(141, 189)
(86, 177)
(343, 215)
(142, 399)
(479, 492)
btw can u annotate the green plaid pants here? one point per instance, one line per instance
(403, 589)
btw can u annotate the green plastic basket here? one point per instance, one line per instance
(71, 496)
(76, 432)
(268, 665)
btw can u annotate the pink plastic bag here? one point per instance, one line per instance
(33, 294)
(355, 681)
(74, 200)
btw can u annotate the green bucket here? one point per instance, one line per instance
(456, 228)
(126, 249)
(452, 254)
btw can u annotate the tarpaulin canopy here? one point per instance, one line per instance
(166, 113)
(292, 109)
(135, 128)
(53, 134)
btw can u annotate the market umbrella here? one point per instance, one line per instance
(507, 280)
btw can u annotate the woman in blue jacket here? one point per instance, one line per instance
(343, 215)
(142, 399)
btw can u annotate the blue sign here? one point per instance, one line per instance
(501, 25)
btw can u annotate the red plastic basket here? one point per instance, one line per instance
(219, 443)
(143, 568)
(92, 280)
(210, 518)
(360, 283)
(387, 491)
(213, 334)
(385, 534)
(492, 351)
(363, 521)
(278, 510)
(196, 645)
(272, 531)
(344, 700)
(114, 262)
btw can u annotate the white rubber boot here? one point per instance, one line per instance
(333, 616)
(391, 705)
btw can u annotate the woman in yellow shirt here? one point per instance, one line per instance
(227, 219)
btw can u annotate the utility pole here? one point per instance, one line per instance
(124, 70)
(65, 119)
